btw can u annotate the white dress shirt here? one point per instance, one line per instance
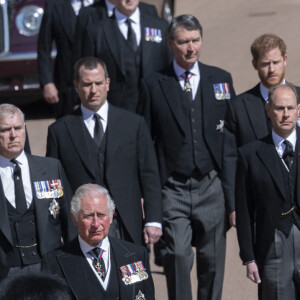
(135, 18)
(104, 245)
(265, 91)
(280, 146)
(76, 4)
(7, 178)
(194, 80)
(110, 8)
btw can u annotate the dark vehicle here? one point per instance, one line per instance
(19, 26)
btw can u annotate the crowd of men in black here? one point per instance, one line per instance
(155, 147)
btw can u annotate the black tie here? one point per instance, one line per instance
(98, 262)
(98, 131)
(288, 154)
(19, 189)
(131, 37)
(187, 85)
(82, 4)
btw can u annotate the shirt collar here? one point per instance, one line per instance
(110, 8)
(278, 140)
(265, 91)
(135, 17)
(179, 70)
(85, 247)
(21, 159)
(102, 112)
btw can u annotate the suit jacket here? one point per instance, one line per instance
(96, 12)
(68, 262)
(130, 164)
(160, 105)
(49, 229)
(261, 194)
(99, 42)
(245, 122)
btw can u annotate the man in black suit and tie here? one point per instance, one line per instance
(185, 107)
(268, 193)
(246, 119)
(132, 44)
(94, 265)
(34, 200)
(100, 10)
(58, 25)
(100, 143)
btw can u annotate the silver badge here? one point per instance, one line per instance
(54, 208)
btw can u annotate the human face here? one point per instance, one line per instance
(283, 111)
(186, 47)
(92, 87)
(127, 7)
(12, 135)
(93, 220)
(270, 67)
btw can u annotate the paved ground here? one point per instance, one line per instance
(229, 29)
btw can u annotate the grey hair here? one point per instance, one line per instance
(188, 22)
(10, 110)
(286, 85)
(90, 190)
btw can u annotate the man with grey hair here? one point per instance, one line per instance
(34, 200)
(94, 265)
(185, 106)
(268, 190)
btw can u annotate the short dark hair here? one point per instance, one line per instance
(267, 42)
(188, 22)
(286, 85)
(89, 63)
(35, 287)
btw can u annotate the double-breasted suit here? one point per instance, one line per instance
(262, 197)
(49, 230)
(245, 122)
(130, 166)
(96, 12)
(70, 263)
(104, 40)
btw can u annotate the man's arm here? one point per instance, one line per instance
(45, 40)
(52, 144)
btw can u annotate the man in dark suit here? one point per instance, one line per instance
(133, 45)
(100, 10)
(185, 107)
(34, 200)
(58, 25)
(100, 143)
(268, 193)
(246, 119)
(94, 265)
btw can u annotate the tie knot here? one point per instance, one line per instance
(14, 161)
(97, 252)
(97, 117)
(129, 21)
(187, 75)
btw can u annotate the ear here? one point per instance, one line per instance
(112, 217)
(267, 108)
(254, 64)
(76, 85)
(74, 219)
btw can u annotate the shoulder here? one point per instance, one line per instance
(213, 70)
(251, 94)
(60, 123)
(153, 79)
(250, 149)
(123, 246)
(120, 114)
(41, 160)
(148, 8)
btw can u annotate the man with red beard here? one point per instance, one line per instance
(246, 119)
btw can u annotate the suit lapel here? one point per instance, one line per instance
(270, 159)
(76, 128)
(256, 113)
(67, 17)
(111, 29)
(4, 221)
(170, 87)
(123, 257)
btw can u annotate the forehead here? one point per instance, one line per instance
(274, 53)
(94, 203)
(183, 33)
(97, 72)
(9, 119)
(286, 95)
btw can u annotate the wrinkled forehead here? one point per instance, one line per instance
(11, 118)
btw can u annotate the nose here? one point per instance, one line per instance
(12, 133)
(271, 68)
(93, 88)
(286, 112)
(95, 221)
(190, 46)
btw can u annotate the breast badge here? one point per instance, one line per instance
(222, 91)
(133, 273)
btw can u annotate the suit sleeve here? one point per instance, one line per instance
(229, 158)
(45, 46)
(149, 285)
(244, 210)
(68, 228)
(149, 176)
(52, 144)
(89, 40)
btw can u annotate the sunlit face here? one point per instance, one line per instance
(127, 7)
(271, 67)
(93, 220)
(12, 135)
(186, 47)
(283, 111)
(92, 87)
